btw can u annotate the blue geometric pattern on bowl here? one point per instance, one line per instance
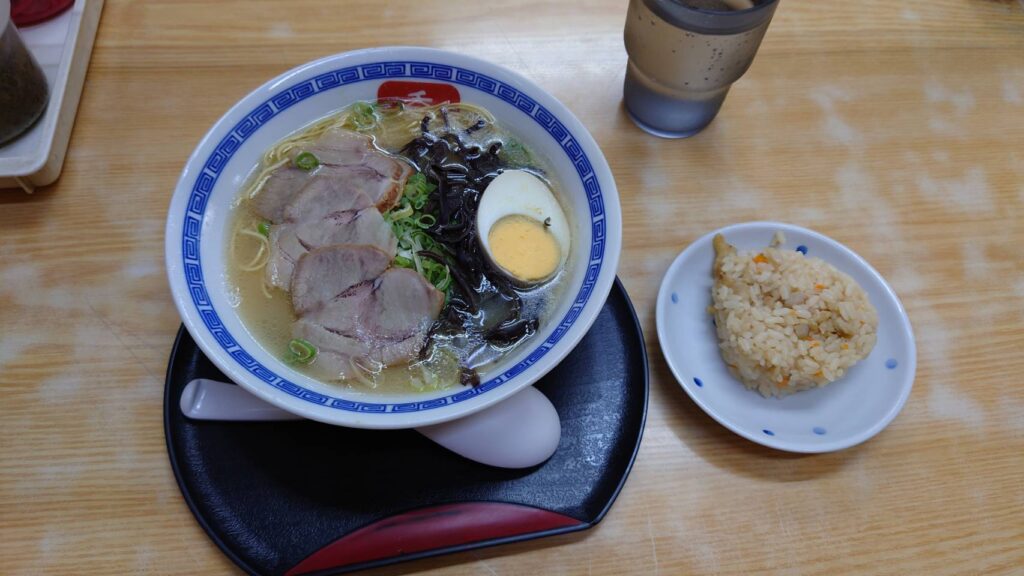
(216, 162)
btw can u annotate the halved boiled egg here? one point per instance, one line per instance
(522, 227)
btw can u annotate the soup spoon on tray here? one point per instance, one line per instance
(518, 432)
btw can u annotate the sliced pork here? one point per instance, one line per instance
(398, 304)
(384, 176)
(339, 202)
(323, 275)
(344, 357)
(277, 191)
(342, 147)
(349, 163)
(366, 226)
(285, 251)
(401, 305)
(288, 242)
(335, 353)
(353, 316)
(325, 195)
(332, 249)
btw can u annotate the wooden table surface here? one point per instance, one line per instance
(895, 127)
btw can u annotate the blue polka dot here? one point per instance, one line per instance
(802, 249)
(675, 298)
(819, 430)
(698, 382)
(891, 364)
(768, 432)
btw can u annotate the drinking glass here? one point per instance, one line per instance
(683, 59)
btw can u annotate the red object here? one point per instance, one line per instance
(29, 12)
(425, 93)
(432, 528)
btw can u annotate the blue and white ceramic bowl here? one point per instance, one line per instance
(198, 226)
(844, 413)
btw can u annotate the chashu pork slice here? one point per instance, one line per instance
(343, 357)
(278, 191)
(392, 307)
(323, 213)
(324, 196)
(366, 325)
(349, 163)
(384, 175)
(325, 274)
(289, 242)
(402, 304)
(336, 354)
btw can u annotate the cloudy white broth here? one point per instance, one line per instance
(361, 254)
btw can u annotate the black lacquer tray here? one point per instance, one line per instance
(308, 498)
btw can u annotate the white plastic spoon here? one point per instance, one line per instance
(518, 432)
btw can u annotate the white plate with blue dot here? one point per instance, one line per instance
(844, 413)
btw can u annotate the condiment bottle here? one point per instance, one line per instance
(23, 89)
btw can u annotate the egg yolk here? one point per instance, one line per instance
(524, 247)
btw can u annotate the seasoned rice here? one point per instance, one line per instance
(786, 322)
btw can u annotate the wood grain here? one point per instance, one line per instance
(895, 127)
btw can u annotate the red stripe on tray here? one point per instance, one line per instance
(431, 529)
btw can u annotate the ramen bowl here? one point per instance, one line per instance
(199, 223)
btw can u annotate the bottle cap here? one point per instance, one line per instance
(29, 12)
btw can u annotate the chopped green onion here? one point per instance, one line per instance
(426, 220)
(409, 223)
(417, 190)
(400, 213)
(437, 273)
(264, 229)
(301, 351)
(307, 161)
(363, 116)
